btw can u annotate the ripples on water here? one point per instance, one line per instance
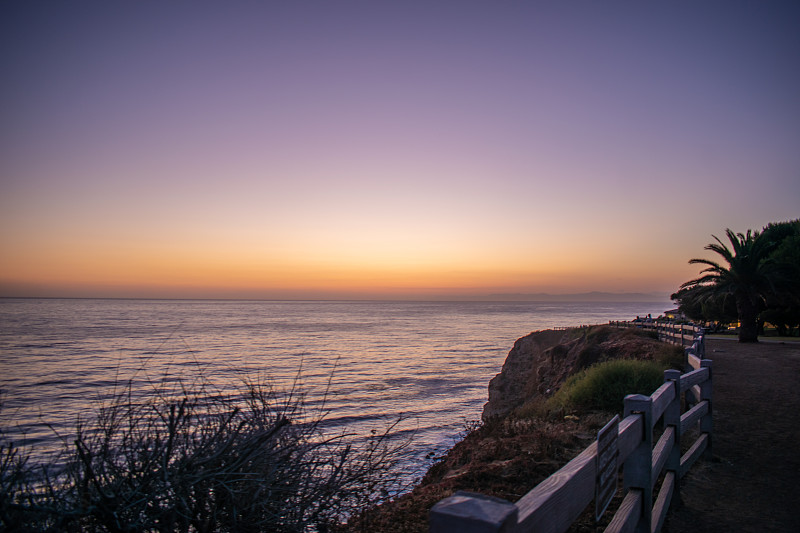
(365, 363)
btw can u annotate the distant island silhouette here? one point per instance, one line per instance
(593, 296)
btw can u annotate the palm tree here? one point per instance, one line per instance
(748, 278)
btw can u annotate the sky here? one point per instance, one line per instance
(369, 150)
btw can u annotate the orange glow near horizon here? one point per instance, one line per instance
(221, 271)
(361, 255)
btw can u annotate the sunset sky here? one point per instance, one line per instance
(388, 149)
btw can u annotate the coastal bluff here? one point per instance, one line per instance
(540, 362)
(513, 449)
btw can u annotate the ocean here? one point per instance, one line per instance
(365, 364)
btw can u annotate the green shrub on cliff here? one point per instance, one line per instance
(604, 386)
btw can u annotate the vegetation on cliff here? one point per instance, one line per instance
(604, 386)
(541, 362)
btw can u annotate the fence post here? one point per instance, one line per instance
(638, 465)
(467, 512)
(672, 417)
(692, 395)
(706, 423)
(701, 344)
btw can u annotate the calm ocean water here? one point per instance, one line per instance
(427, 362)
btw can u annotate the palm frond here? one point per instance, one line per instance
(708, 262)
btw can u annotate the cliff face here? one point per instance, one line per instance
(507, 458)
(540, 362)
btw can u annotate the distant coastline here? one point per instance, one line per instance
(594, 296)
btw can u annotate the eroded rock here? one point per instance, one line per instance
(540, 362)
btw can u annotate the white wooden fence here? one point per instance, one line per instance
(681, 334)
(554, 504)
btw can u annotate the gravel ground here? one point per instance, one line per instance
(753, 481)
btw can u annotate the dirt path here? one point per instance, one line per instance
(753, 482)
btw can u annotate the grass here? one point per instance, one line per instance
(603, 387)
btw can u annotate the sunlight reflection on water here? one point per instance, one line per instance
(364, 363)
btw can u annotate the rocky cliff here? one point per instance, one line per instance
(540, 362)
(507, 457)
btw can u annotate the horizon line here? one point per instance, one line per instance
(539, 297)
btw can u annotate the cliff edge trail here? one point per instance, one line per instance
(753, 482)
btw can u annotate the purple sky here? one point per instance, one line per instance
(376, 149)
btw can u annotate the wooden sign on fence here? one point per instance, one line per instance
(607, 453)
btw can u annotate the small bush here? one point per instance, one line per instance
(600, 334)
(669, 356)
(604, 386)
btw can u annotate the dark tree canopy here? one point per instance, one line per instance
(783, 305)
(695, 305)
(757, 279)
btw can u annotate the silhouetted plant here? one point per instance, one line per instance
(190, 458)
(13, 478)
(748, 278)
(760, 272)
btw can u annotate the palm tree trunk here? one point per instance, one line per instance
(748, 319)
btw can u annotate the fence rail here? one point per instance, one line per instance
(554, 504)
(682, 334)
